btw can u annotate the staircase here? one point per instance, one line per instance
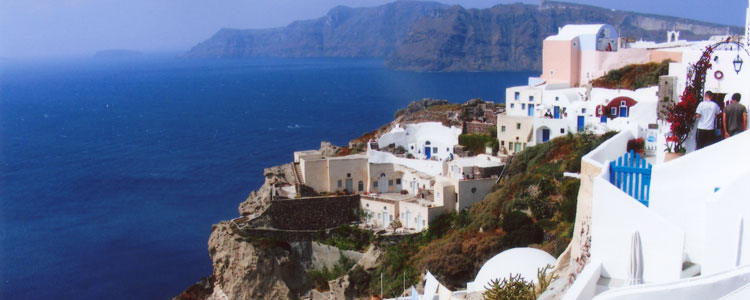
(298, 173)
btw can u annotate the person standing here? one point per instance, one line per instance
(706, 115)
(735, 117)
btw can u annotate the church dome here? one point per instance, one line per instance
(524, 261)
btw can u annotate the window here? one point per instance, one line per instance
(412, 147)
(562, 130)
(518, 125)
(510, 146)
(390, 217)
(361, 186)
(348, 175)
(474, 190)
(518, 147)
(512, 105)
(622, 103)
(502, 143)
(502, 128)
(523, 105)
(613, 111)
(447, 149)
(524, 146)
(390, 182)
(518, 95)
(434, 150)
(384, 207)
(367, 205)
(531, 98)
(557, 98)
(398, 181)
(374, 184)
(583, 110)
(339, 183)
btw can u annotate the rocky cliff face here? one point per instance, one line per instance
(343, 32)
(429, 36)
(248, 270)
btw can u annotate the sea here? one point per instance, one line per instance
(112, 171)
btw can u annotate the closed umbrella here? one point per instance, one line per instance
(635, 276)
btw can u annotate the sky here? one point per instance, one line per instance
(46, 28)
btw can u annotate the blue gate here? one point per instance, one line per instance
(632, 174)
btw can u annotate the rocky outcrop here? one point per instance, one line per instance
(259, 200)
(246, 269)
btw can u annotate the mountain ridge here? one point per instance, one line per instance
(431, 36)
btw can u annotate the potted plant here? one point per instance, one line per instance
(674, 148)
(638, 145)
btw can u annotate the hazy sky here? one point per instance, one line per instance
(32, 28)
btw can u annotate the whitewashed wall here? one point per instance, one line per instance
(681, 189)
(615, 217)
(697, 288)
(727, 232)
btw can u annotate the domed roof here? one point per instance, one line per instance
(524, 261)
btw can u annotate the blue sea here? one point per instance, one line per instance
(113, 171)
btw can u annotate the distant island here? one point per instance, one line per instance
(431, 36)
(118, 53)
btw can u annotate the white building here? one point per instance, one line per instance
(428, 140)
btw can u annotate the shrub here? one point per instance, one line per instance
(320, 277)
(514, 220)
(513, 288)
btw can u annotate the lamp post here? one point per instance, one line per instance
(737, 63)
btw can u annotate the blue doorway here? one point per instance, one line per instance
(545, 135)
(580, 123)
(531, 110)
(623, 111)
(428, 152)
(604, 119)
(557, 112)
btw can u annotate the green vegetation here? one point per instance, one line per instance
(476, 143)
(320, 277)
(347, 237)
(532, 205)
(634, 76)
(517, 288)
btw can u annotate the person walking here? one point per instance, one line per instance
(706, 115)
(735, 117)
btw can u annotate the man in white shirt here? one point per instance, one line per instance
(706, 117)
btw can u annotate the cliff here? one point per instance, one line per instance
(429, 36)
(343, 32)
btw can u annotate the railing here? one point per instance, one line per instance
(632, 174)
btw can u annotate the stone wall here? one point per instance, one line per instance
(479, 128)
(311, 213)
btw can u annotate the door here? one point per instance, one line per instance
(408, 215)
(414, 187)
(531, 110)
(428, 152)
(624, 111)
(580, 123)
(385, 219)
(557, 112)
(349, 186)
(545, 135)
(361, 186)
(604, 119)
(383, 183)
